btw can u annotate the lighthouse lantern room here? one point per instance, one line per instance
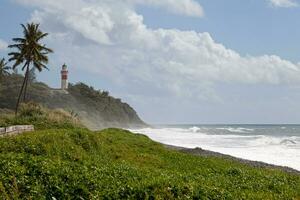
(64, 77)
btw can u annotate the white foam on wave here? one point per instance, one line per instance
(284, 151)
(195, 129)
(237, 130)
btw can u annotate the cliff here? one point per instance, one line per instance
(96, 109)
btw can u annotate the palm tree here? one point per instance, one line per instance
(4, 69)
(29, 53)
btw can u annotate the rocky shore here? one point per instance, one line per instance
(207, 153)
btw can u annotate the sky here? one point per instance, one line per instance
(174, 61)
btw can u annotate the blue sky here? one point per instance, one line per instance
(172, 63)
(249, 27)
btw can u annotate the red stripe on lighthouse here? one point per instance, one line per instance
(64, 77)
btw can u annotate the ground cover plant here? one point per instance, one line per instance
(64, 160)
(75, 163)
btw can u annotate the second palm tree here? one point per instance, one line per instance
(4, 69)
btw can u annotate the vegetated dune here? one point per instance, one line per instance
(96, 109)
(116, 164)
(62, 159)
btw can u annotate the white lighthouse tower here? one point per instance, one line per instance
(64, 77)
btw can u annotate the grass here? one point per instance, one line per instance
(60, 161)
(41, 117)
(116, 164)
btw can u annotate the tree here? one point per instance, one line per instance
(29, 53)
(4, 69)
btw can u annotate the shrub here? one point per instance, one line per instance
(30, 109)
(41, 118)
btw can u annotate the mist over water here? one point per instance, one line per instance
(274, 144)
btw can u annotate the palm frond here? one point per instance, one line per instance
(20, 40)
(4, 68)
(28, 49)
(17, 63)
(25, 30)
(18, 46)
(42, 35)
(46, 50)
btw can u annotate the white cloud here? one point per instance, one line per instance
(283, 3)
(184, 7)
(3, 45)
(110, 39)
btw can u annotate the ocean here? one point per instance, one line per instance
(273, 144)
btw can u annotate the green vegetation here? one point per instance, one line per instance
(4, 69)
(29, 51)
(67, 162)
(40, 117)
(96, 109)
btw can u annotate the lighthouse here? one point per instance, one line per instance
(64, 77)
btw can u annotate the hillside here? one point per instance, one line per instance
(97, 110)
(116, 164)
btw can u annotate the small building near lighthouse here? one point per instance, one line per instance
(64, 77)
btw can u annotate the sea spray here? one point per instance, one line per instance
(267, 143)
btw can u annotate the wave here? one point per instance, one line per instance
(278, 150)
(288, 142)
(195, 129)
(237, 130)
(195, 136)
(263, 141)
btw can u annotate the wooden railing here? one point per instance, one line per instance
(15, 130)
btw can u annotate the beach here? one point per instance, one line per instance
(273, 145)
(207, 153)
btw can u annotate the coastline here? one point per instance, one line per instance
(206, 153)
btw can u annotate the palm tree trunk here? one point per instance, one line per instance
(1, 74)
(26, 83)
(20, 94)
